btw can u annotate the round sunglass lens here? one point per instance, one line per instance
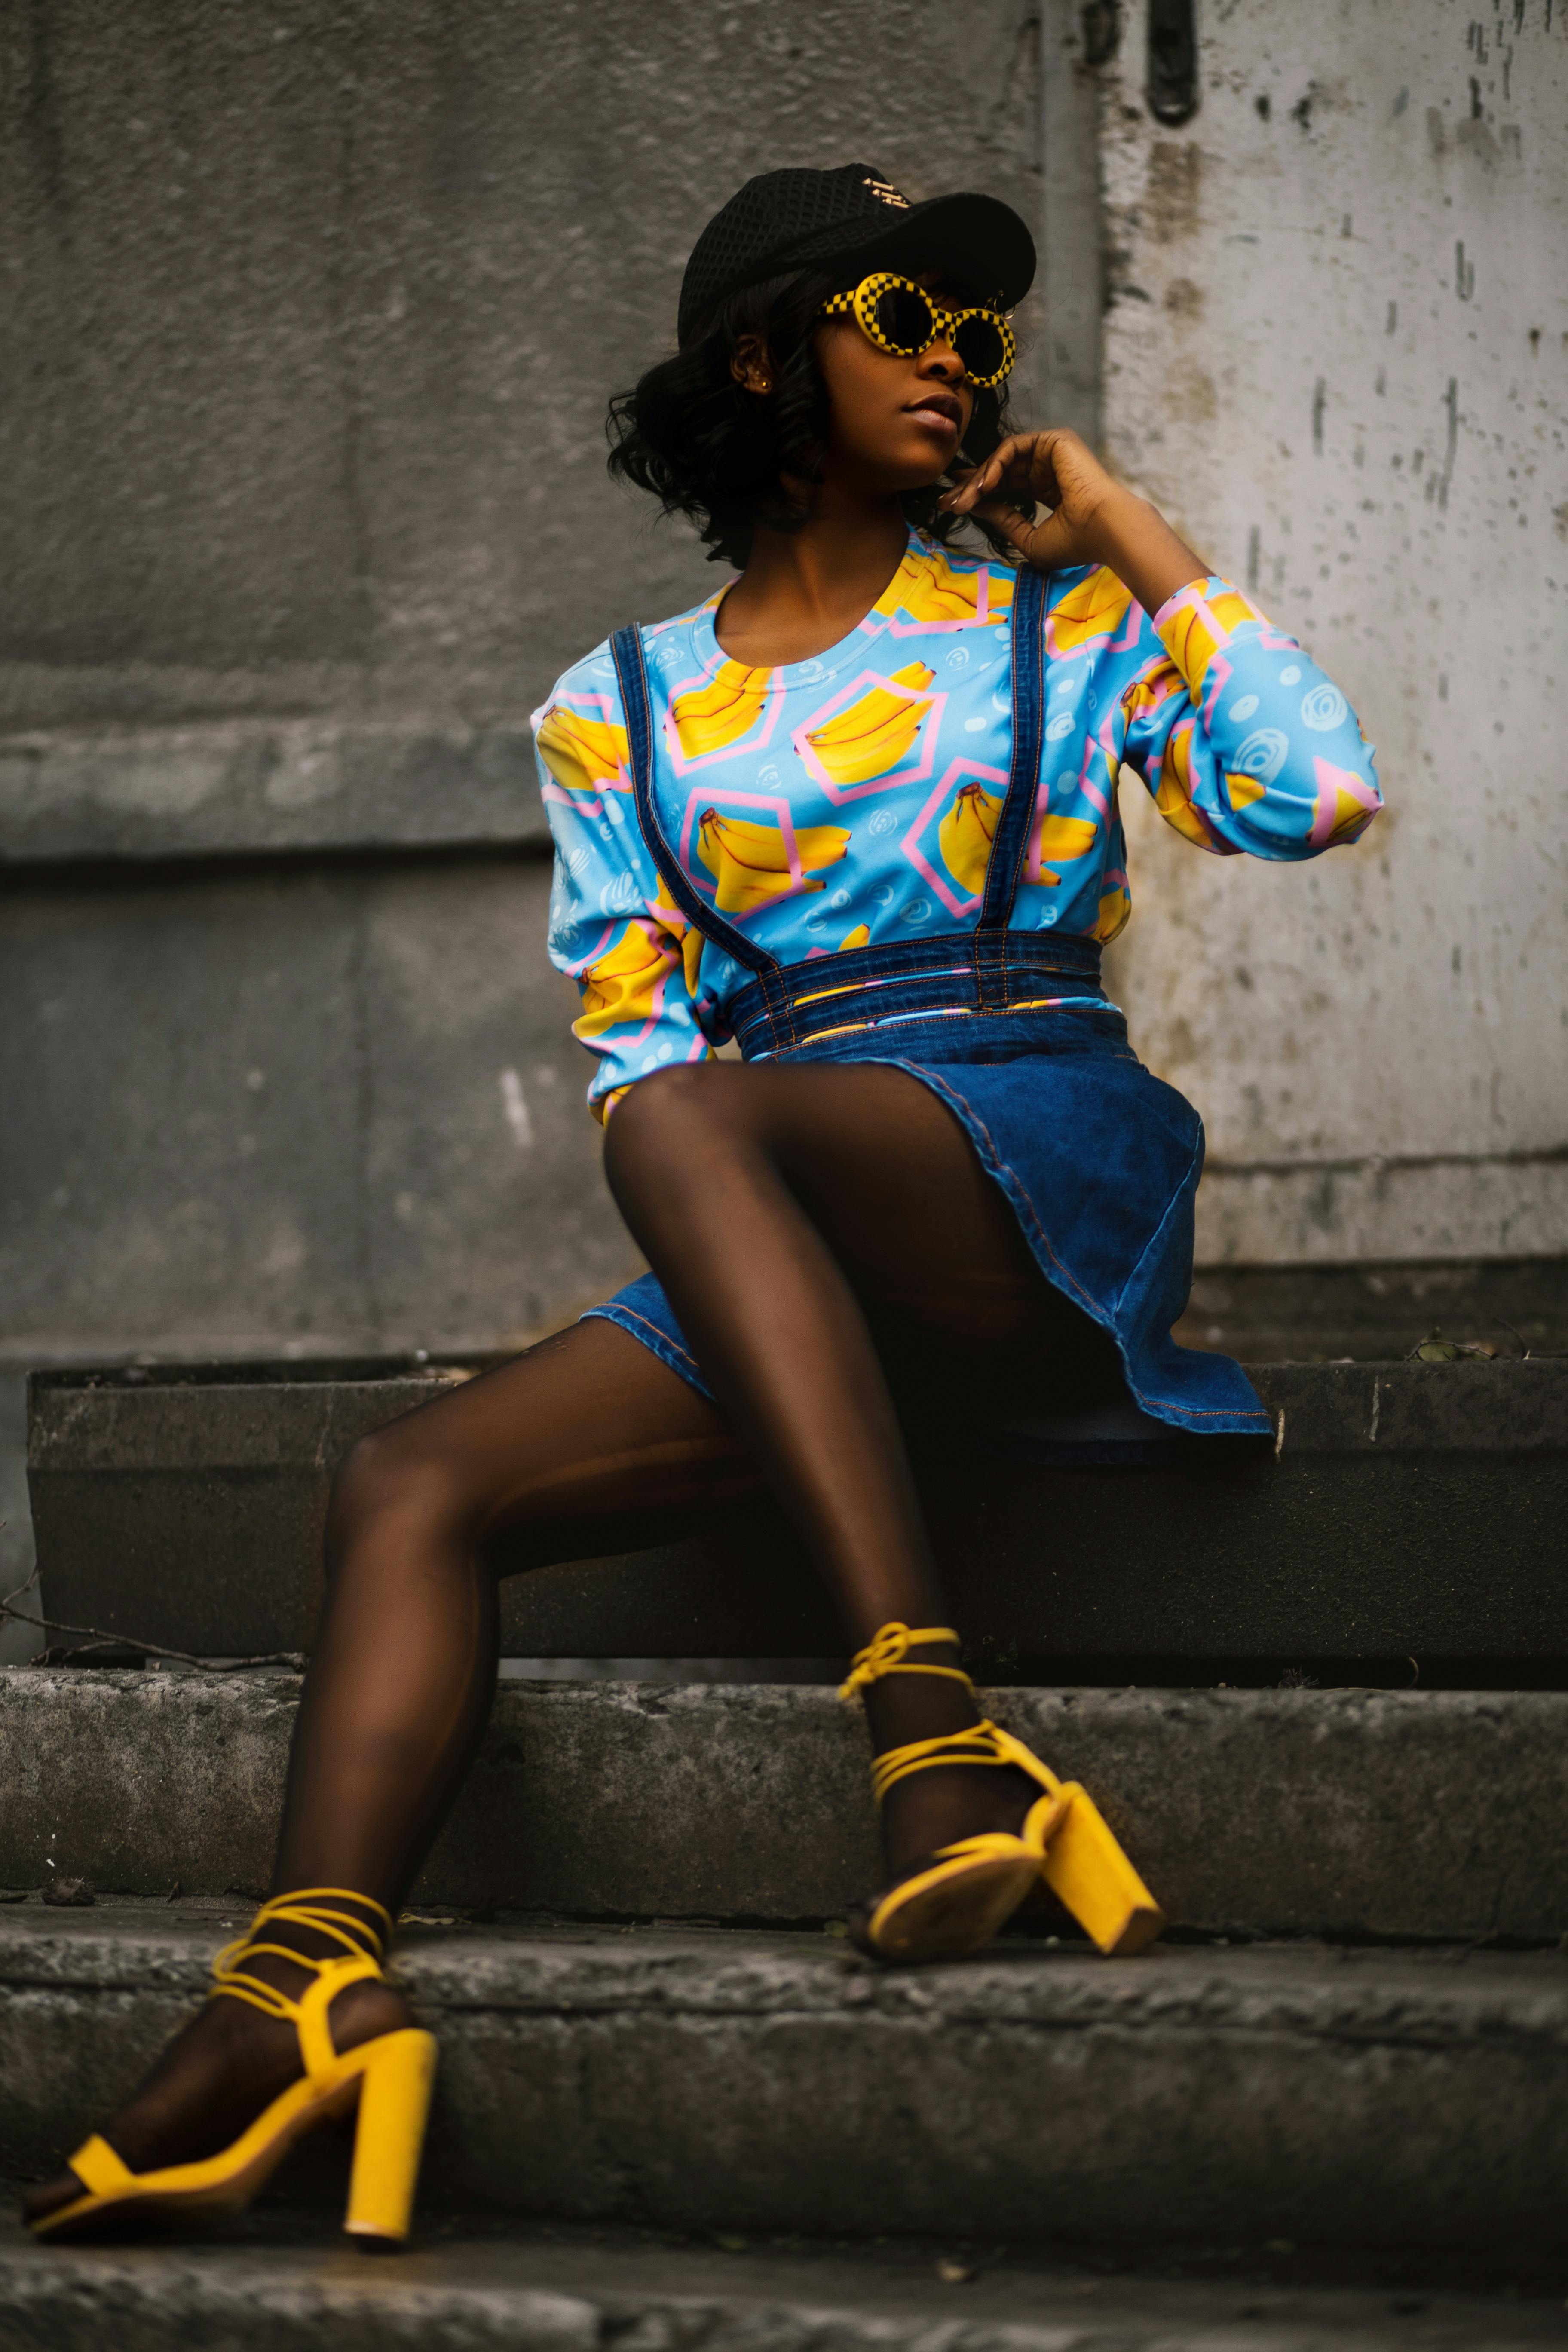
(904, 319)
(980, 344)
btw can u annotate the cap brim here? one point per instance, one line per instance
(980, 244)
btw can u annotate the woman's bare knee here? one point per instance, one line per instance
(388, 1473)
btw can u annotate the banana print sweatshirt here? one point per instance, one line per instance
(850, 800)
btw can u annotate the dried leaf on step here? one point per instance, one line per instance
(70, 1893)
(1435, 1349)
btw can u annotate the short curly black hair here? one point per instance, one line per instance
(717, 453)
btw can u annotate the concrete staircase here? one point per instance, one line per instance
(676, 2108)
(1354, 2047)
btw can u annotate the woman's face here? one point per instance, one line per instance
(895, 424)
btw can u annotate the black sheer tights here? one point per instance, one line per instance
(817, 1229)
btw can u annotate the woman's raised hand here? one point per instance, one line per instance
(1053, 469)
(1092, 518)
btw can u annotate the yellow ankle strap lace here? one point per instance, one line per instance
(306, 1906)
(983, 1743)
(886, 1656)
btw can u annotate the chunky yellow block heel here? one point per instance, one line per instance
(389, 2137)
(956, 1902)
(388, 2079)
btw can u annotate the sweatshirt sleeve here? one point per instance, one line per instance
(1242, 741)
(612, 928)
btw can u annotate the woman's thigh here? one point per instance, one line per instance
(890, 1179)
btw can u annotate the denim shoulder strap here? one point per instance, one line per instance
(631, 669)
(1006, 868)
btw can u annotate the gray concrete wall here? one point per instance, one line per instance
(1337, 354)
(321, 306)
(305, 1105)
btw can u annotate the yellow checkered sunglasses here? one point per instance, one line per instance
(900, 317)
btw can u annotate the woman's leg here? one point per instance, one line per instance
(402, 1675)
(776, 1206)
(404, 1672)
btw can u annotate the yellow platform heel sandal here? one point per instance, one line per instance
(388, 2079)
(957, 1900)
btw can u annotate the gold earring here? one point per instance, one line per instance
(766, 384)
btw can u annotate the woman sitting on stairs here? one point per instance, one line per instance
(858, 810)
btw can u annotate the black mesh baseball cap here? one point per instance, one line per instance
(801, 220)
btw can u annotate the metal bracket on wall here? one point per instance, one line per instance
(1172, 60)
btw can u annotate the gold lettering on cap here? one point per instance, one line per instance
(889, 195)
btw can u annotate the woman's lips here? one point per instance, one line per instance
(938, 411)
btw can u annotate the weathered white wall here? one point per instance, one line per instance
(1337, 355)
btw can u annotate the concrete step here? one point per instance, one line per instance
(277, 2284)
(1340, 2098)
(1339, 1813)
(1310, 1314)
(1405, 1510)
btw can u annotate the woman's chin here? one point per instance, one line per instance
(923, 469)
(912, 461)
(933, 451)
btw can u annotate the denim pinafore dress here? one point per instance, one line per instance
(1098, 1159)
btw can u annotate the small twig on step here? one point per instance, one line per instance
(93, 1637)
(16, 1594)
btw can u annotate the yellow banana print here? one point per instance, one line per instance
(1115, 907)
(1351, 811)
(724, 710)
(751, 862)
(1095, 608)
(875, 733)
(1192, 640)
(860, 937)
(1243, 790)
(965, 834)
(676, 924)
(1173, 798)
(927, 588)
(1064, 837)
(1155, 683)
(620, 987)
(581, 753)
(602, 1108)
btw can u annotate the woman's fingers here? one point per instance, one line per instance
(961, 499)
(1004, 519)
(992, 481)
(1019, 469)
(985, 479)
(1048, 544)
